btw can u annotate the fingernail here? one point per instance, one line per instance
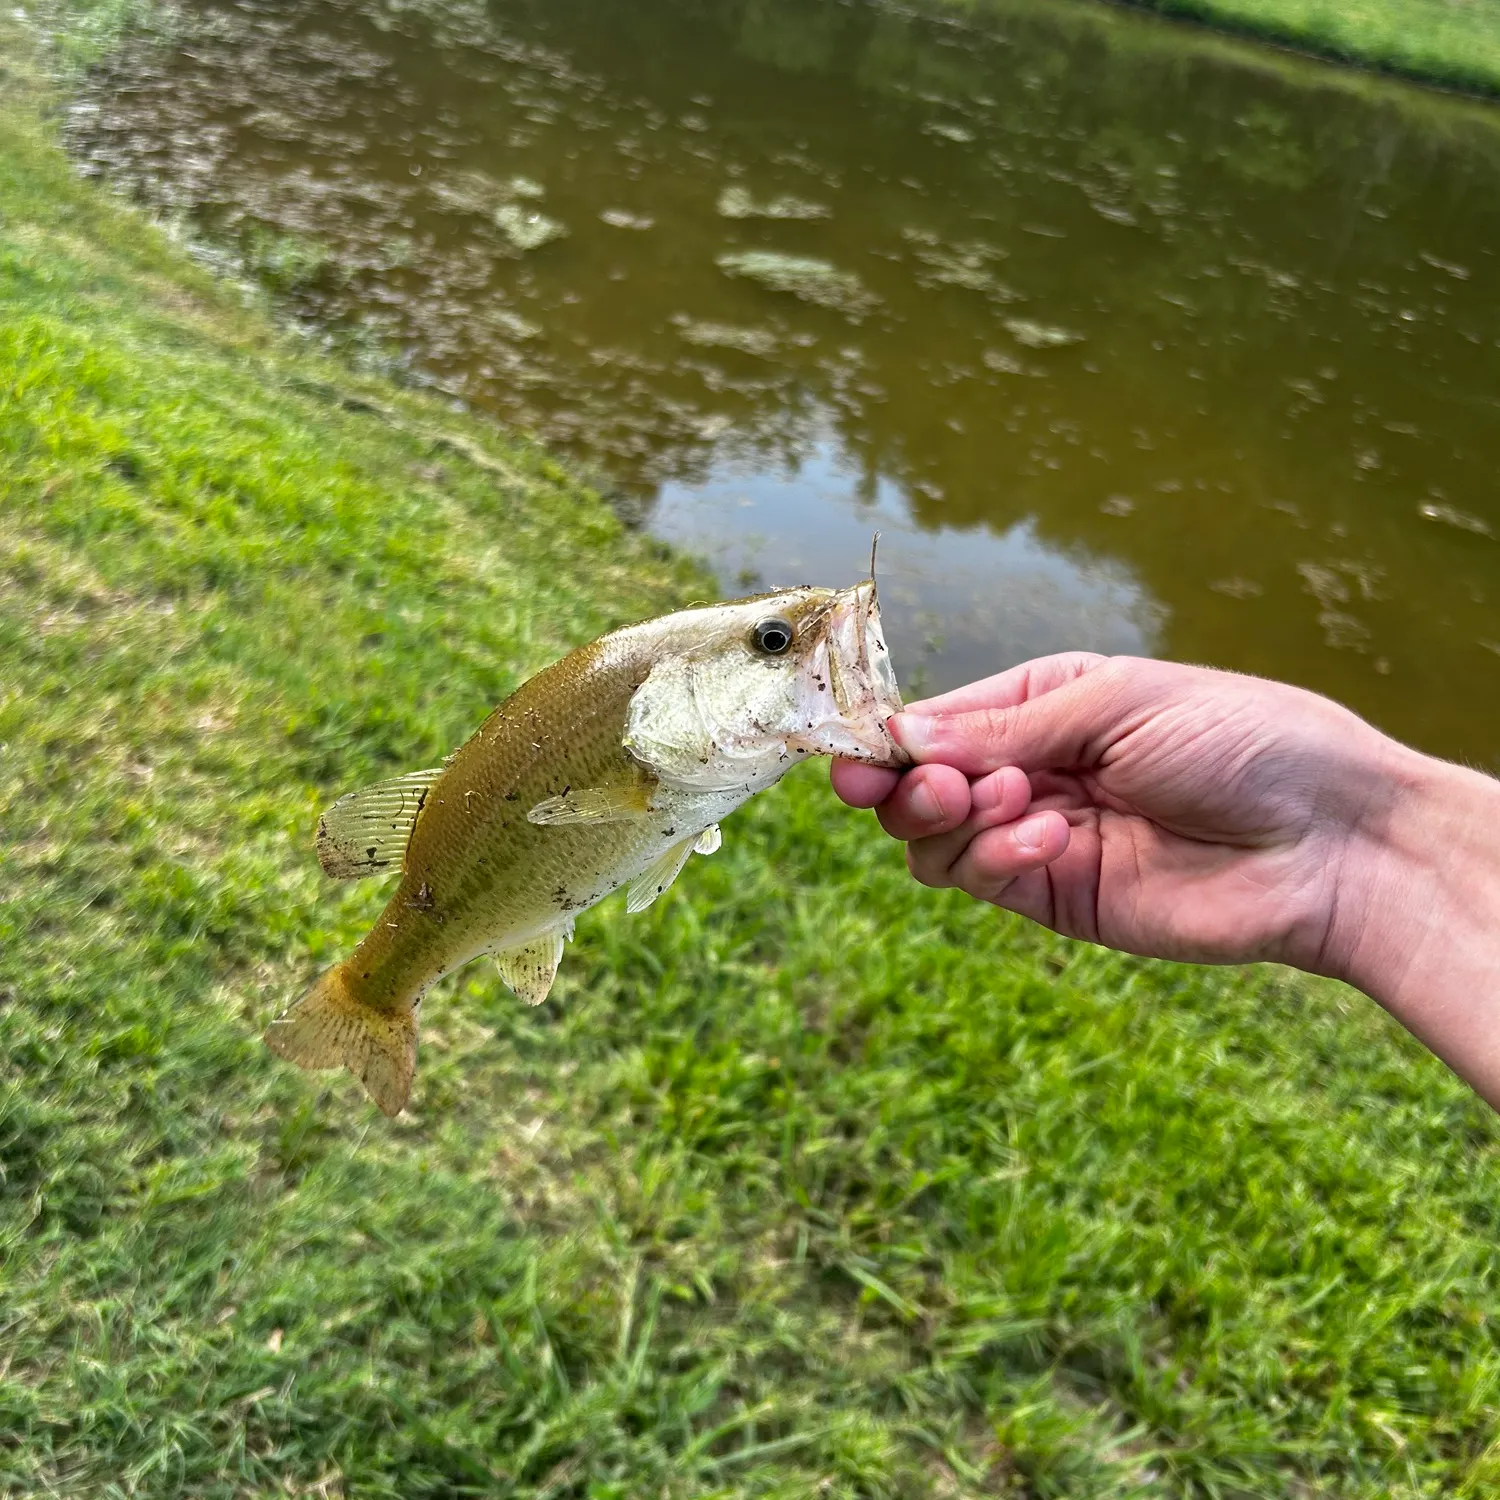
(913, 732)
(986, 792)
(1031, 833)
(924, 802)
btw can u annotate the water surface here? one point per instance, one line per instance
(1124, 339)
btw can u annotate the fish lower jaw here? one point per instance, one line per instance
(843, 743)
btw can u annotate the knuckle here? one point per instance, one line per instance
(979, 874)
(926, 869)
(997, 734)
(1079, 662)
(985, 866)
(987, 734)
(1122, 673)
(993, 890)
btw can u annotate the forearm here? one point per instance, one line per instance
(1422, 927)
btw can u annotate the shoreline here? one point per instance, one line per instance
(1463, 61)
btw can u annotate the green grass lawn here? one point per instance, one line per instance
(807, 1182)
(1455, 43)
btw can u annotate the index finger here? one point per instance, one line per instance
(1017, 685)
(1059, 730)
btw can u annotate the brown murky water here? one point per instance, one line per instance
(1125, 338)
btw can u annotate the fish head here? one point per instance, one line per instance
(740, 691)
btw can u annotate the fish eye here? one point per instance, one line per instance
(773, 636)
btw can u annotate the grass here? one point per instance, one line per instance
(1453, 43)
(806, 1182)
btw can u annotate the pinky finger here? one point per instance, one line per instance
(1001, 855)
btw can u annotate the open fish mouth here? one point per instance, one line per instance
(857, 661)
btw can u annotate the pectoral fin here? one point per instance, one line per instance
(628, 797)
(366, 832)
(663, 870)
(529, 970)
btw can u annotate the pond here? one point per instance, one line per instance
(1125, 337)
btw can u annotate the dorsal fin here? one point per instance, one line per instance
(366, 832)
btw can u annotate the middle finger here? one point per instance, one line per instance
(928, 800)
(1000, 797)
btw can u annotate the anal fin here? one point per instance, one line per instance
(366, 832)
(528, 971)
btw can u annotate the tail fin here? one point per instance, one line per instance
(330, 1025)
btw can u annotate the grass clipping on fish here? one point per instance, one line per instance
(610, 768)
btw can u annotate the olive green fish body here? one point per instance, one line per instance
(477, 874)
(606, 769)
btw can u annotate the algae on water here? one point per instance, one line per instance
(960, 134)
(1006, 364)
(513, 324)
(965, 263)
(803, 276)
(736, 203)
(758, 341)
(508, 205)
(1040, 335)
(1450, 515)
(471, 191)
(527, 228)
(622, 218)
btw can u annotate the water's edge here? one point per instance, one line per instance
(1456, 72)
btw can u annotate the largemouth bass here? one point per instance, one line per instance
(607, 769)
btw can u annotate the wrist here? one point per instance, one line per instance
(1419, 921)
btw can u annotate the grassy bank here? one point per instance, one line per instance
(805, 1182)
(1455, 45)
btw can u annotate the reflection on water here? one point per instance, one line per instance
(956, 598)
(1127, 340)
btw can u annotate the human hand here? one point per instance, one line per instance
(1184, 813)
(1162, 809)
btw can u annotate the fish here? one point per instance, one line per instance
(609, 768)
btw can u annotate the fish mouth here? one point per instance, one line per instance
(862, 679)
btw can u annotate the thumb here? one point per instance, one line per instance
(1059, 730)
